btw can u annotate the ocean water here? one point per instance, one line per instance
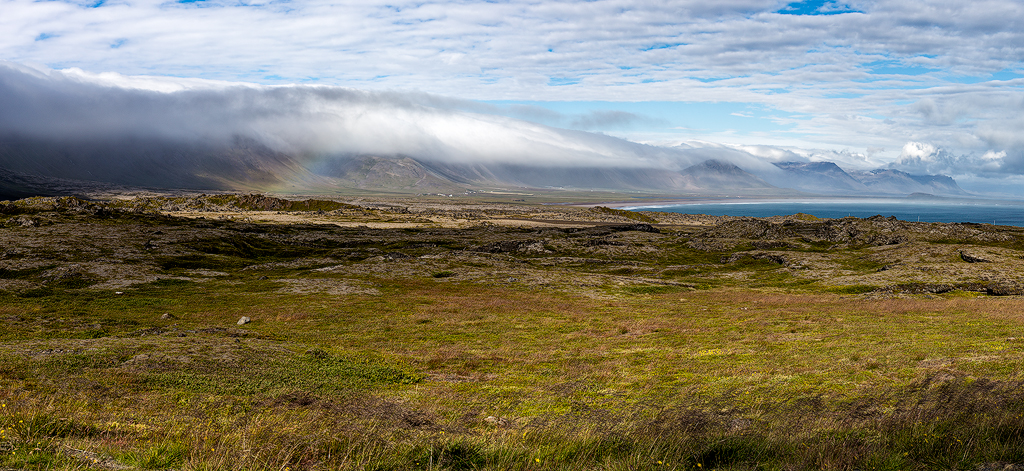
(1009, 213)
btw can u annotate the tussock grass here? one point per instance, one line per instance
(486, 348)
(725, 378)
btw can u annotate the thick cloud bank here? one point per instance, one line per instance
(860, 74)
(308, 121)
(207, 134)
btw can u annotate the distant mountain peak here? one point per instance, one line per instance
(715, 165)
(818, 177)
(713, 174)
(892, 181)
(818, 166)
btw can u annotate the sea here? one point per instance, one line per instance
(1010, 213)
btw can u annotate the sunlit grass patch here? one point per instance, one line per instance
(740, 378)
(653, 289)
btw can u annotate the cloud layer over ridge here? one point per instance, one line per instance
(302, 120)
(311, 123)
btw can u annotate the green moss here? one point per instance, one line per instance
(860, 264)
(626, 214)
(312, 372)
(42, 292)
(170, 283)
(652, 289)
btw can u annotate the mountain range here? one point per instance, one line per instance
(827, 178)
(37, 166)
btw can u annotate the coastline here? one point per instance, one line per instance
(670, 202)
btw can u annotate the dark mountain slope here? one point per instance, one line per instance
(369, 172)
(152, 162)
(819, 177)
(716, 175)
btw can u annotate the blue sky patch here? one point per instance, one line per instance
(45, 36)
(896, 68)
(662, 46)
(711, 79)
(562, 81)
(816, 7)
(1006, 75)
(118, 43)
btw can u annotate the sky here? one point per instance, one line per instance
(930, 86)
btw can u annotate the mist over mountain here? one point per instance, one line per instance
(827, 178)
(39, 166)
(894, 181)
(715, 174)
(407, 173)
(60, 127)
(74, 108)
(818, 177)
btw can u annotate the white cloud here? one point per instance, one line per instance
(917, 152)
(994, 156)
(317, 123)
(925, 158)
(891, 73)
(311, 120)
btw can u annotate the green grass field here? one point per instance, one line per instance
(506, 361)
(716, 379)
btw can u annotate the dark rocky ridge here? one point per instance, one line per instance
(71, 243)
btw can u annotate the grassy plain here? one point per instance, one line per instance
(599, 343)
